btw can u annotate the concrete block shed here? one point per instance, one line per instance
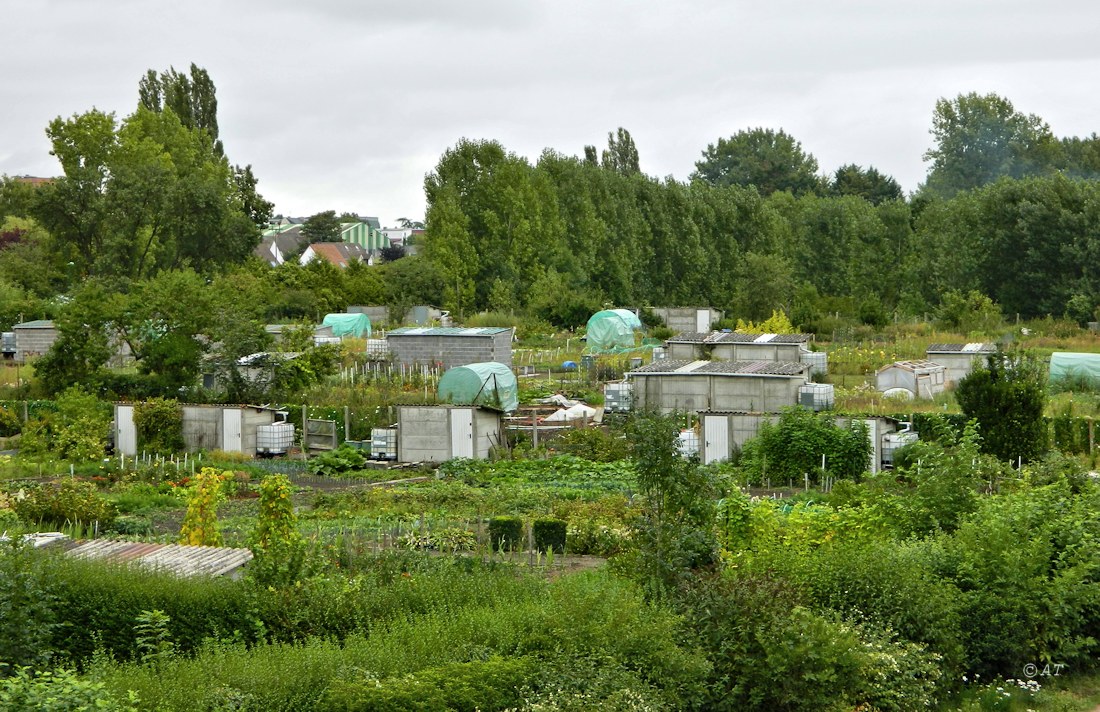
(437, 433)
(959, 359)
(693, 386)
(729, 346)
(688, 318)
(33, 338)
(725, 433)
(231, 428)
(450, 346)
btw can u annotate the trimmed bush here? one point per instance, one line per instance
(549, 535)
(506, 533)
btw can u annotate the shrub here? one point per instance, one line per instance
(506, 533)
(200, 524)
(10, 423)
(58, 691)
(79, 428)
(492, 684)
(26, 607)
(593, 444)
(279, 553)
(133, 525)
(549, 535)
(72, 501)
(159, 424)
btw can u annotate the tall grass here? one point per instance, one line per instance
(591, 615)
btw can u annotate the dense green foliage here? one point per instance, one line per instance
(1007, 397)
(804, 444)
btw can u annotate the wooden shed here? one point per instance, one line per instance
(959, 359)
(923, 379)
(753, 386)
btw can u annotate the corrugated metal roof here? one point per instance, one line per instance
(728, 337)
(914, 365)
(36, 324)
(446, 331)
(978, 348)
(174, 558)
(723, 368)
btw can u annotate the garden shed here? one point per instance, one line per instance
(923, 379)
(959, 359)
(732, 346)
(33, 338)
(1076, 368)
(725, 433)
(611, 330)
(450, 346)
(747, 386)
(437, 433)
(698, 319)
(231, 428)
(491, 385)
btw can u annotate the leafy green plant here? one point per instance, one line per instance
(340, 461)
(1007, 399)
(59, 691)
(154, 642)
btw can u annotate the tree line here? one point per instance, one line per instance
(1006, 211)
(1007, 215)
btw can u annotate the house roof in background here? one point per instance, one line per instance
(338, 253)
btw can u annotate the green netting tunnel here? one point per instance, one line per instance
(357, 325)
(488, 384)
(611, 330)
(1081, 368)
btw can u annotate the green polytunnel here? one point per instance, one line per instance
(611, 330)
(357, 325)
(1075, 367)
(488, 384)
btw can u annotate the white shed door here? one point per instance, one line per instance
(716, 438)
(702, 320)
(462, 432)
(125, 432)
(231, 430)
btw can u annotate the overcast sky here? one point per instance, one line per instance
(346, 104)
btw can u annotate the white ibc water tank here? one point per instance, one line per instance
(275, 439)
